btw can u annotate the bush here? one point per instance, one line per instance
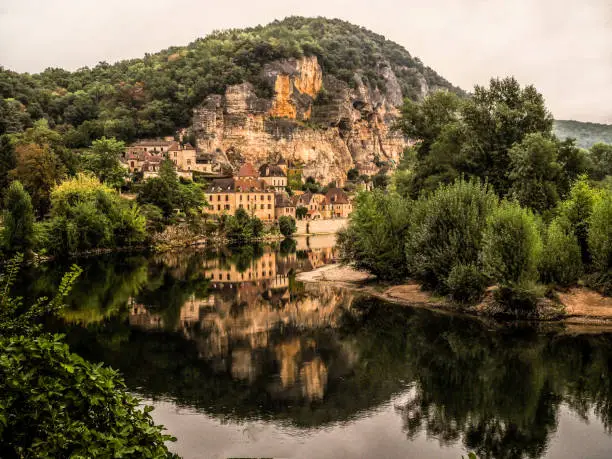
(86, 214)
(561, 260)
(511, 245)
(447, 231)
(241, 228)
(287, 226)
(600, 240)
(18, 232)
(466, 284)
(374, 238)
(519, 298)
(55, 404)
(577, 211)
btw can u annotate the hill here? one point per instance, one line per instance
(586, 134)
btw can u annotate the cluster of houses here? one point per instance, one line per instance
(261, 192)
(145, 157)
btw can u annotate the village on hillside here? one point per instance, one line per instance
(268, 192)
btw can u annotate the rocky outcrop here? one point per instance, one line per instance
(312, 118)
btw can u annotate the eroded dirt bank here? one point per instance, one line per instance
(579, 308)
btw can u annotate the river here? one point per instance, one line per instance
(241, 360)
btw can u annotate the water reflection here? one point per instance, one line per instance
(232, 335)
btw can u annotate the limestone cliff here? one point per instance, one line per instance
(312, 118)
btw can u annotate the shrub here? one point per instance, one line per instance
(55, 404)
(18, 232)
(511, 245)
(465, 283)
(519, 298)
(374, 238)
(86, 214)
(577, 211)
(287, 225)
(241, 227)
(561, 260)
(600, 240)
(447, 230)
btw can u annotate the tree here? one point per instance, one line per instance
(511, 246)
(241, 228)
(601, 159)
(374, 239)
(18, 231)
(446, 230)
(301, 212)
(352, 174)
(7, 160)
(39, 170)
(600, 234)
(286, 225)
(534, 172)
(86, 214)
(103, 159)
(561, 262)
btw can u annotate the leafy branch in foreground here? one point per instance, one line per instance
(54, 403)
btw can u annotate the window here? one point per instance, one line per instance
(218, 197)
(218, 206)
(262, 206)
(228, 276)
(175, 154)
(227, 207)
(269, 206)
(227, 197)
(241, 197)
(188, 162)
(269, 197)
(132, 163)
(262, 197)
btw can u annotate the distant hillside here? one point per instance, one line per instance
(154, 95)
(586, 134)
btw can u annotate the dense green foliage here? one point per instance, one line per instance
(86, 214)
(511, 245)
(447, 230)
(152, 96)
(586, 134)
(600, 240)
(18, 232)
(502, 134)
(287, 226)
(168, 193)
(53, 403)
(561, 262)
(374, 238)
(241, 227)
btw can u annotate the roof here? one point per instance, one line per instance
(337, 196)
(271, 171)
(153, 143)
(217, 185)
(282, 200)
(281, 162)
(247, 170)
(238, 184)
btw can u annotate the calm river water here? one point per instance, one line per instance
(240, 360)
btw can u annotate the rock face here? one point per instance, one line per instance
(312, 118)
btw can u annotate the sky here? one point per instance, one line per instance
(563, 47)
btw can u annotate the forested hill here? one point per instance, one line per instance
(155, 95)
(586, 134)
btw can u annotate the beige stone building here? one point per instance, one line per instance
(225, 196)
(274, 176)
(183, 156)
(284, 206)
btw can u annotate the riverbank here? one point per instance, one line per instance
(577, 306)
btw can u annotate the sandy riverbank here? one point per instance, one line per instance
(578, 307)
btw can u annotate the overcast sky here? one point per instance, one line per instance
(563, 47)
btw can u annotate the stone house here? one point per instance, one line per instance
(225, 196)
(284, 206)
(274, 176)
(338, 203)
